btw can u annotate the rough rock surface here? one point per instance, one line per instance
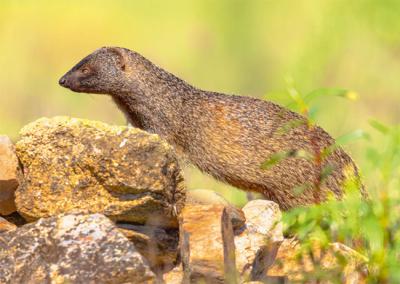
(70, 249)
(209, 197)
(158, 245)
(75, 165)
(207, 245)
(258, 241)
(16, 219)
(338, 261)
(6, 226)
(9, 176)
(175, 276)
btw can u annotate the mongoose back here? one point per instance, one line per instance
(226, 136)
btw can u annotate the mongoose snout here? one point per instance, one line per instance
(71, 80)
(226, 136)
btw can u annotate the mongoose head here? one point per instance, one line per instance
(101, 72)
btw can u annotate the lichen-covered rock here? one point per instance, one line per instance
(258, 242)
(158, 245)
(9, 176)
(78, 165)
(70, 249)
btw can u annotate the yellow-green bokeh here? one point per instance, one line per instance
(234, 46)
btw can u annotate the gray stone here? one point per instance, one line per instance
(70, 249)
(258, 241)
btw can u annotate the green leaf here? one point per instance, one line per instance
(290, 125)
(312, 114)
(298, 190)
(305, 155)
(274, 159)
(279, 156)
(379, 126)
(373, 155)
(326, 171)
(352, 136)
(328, 150)
(345, 139)
(337, 92)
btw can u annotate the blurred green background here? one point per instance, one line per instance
(232, 46)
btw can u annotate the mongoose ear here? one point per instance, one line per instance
(121, 57)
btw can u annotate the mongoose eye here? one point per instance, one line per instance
(85, 70)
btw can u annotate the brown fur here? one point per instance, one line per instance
(226, 136)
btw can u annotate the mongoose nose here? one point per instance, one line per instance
(62, 81)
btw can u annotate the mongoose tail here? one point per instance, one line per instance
(228, 137)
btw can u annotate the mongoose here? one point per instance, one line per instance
(226, 136)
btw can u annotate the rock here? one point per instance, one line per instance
(15, 219)
(9, 176)
(175, 276)
(258, 241)
(237, 218)
(208, 197)
(75, 165)
(206, 243)
(337, 262)
(70, 249)
(6, 226)
(158, 245)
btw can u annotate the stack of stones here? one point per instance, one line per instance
(85, 202)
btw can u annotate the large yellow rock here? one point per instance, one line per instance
(78, 165)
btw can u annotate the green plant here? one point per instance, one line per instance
(371, 227)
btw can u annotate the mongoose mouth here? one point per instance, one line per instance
(73, 85)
